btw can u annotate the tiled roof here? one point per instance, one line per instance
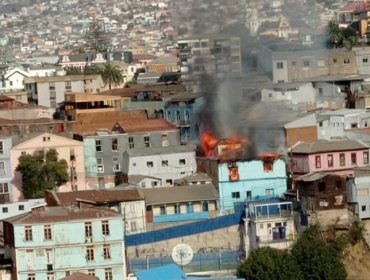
(135, 126)
(98, 196)
(63, 214)
(90, 123)
(80, 276)
(358, 6)
(328, 146)
(162, 195)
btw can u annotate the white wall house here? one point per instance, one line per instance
(269, 224)
(333, 124)
(166, 163)
(14, 79)
(294, 93)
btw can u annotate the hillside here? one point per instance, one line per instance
(356, 260)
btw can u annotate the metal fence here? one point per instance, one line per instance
(223, 260)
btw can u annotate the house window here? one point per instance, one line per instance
(366, 157)
(279, 65)
(177, 208)
(131, 144)
(46, 139)
(31, 276)
(1, 147)
(147, 141)
(269, 191)
(114, 144)
(317, 161)
(50, 276)
(88, 229)
(330, 161)
(235, 194)
(182, 162)
(334, 60)
(342, 159)
(162, 210)
(364, 60)
(105, 227)
(4, 188)
(21, 207)
(51, 86)
(28, 233)
(320, 63)
(106, 252)
(133, 226)
(169, 182)
(90, 253)
(363, 208)
(47, 232)
(108, 274)
(100, 165)
(5, 209)
(306, 63)
(353, 159)
(149, 164)
(98, 145)
(116, 165)
(164, 162)
(346, 61)
(154, 183)
(322, 186)
(91, 272)
(164, 140)
(363, 192)
(205, 207)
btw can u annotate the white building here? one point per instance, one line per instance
(293, 93)
(269, 224)
(167, 163)
(14, 79)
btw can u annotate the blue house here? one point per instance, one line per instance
(243, 180)
(181, 111)
(54, 242)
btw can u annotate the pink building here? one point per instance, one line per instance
(70, 150)
(336, 157)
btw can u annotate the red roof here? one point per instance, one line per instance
(146, 125)
(358, 6)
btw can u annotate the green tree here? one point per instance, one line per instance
(334, 35)
(42, 171)
(316, 259)
(97, 39)
(268, 263)
(111, 75)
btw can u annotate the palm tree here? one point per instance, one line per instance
(111, 74)
(334, 34)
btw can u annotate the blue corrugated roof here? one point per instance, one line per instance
(166, 272)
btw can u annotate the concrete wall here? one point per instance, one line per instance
(223, 239)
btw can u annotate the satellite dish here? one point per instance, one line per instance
(182, 254)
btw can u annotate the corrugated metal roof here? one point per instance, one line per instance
(180, 194)
(328, 146)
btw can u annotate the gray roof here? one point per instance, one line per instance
(310, 177)
(306, 121)
(136, 179)
(180, 194)
(334, 78)
(161, 150)
(328, 146)
(195, 177)
(343, 112)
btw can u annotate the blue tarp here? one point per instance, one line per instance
(166, 272)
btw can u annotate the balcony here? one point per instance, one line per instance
(182, 123)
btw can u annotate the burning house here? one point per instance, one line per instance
(238, 174)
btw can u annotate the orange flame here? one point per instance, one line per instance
(225, 149)
(208, 143)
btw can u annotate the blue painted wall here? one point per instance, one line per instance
(253, 178)
(68, 247)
